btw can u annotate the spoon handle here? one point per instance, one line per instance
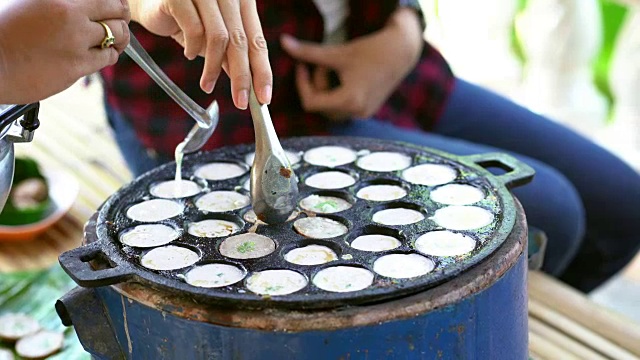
(266, 137)
(142, 58)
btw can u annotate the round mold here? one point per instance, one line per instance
(445, 243)
(384, 161)
(382, 189)
(229, 224)
(457, 217)
(398, 213)
(169, 189)
(403, 265)
(274, 282)
(329, 208)
(311, 255)
(247, 246)
(457, 194)
(430, 174)
(215, 274)
(330, 179)
(146, 235)
(375, 238)
(170, 257)
(330, 156)
(343, 278)
(215, 171)
(305, 242)
(309, 226)
(151, 211)
(219, 201)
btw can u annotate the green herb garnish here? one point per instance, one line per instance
(327, 206)
(274, 288)
(246, 246)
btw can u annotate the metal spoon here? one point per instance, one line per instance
(206, 120)
(198, 136)
(274, 185)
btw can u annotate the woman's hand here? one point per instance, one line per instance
(47, 45)
(369, 68)
(221, 31)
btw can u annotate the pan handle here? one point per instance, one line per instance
(517, 172)
(75, 263)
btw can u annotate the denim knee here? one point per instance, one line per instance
(552, 203)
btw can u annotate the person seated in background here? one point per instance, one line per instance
(47, 45)
(363, 69)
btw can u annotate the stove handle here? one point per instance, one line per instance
(76, 263)
(517, 172)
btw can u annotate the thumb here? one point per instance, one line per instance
(325, 55)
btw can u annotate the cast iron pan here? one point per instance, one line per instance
(124, 261)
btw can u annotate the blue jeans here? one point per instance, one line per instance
(585, 199)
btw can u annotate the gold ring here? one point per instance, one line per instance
(108, 40)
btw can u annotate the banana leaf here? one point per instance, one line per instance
(35, 293)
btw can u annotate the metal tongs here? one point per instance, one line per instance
(206, 120)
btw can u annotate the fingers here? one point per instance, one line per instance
(108, 9)
(258, 54)
(216, 43)
(119, 30)
(321, 78)
(187, 17)
(314, 100)
(325, 55)
(98, 59)
(237, 53)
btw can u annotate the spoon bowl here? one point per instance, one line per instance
(198, 135)
(274, 185)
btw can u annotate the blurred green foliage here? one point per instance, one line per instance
(613, 15)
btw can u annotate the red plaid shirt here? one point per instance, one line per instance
(161, 124)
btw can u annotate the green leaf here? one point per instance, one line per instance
(35, 293)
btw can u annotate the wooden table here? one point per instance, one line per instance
(564, 324)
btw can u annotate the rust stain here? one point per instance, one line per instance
(285, 172)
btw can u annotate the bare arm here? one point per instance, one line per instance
(47, 45)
